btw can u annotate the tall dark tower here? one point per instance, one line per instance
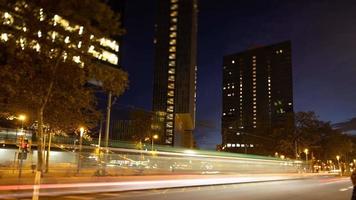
(174, 90)
(257, 95)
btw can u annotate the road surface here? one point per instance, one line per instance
(317, 188)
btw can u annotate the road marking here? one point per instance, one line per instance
(345, 189)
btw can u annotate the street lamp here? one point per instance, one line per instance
(81, 131)
(338, 163)
(154, 137)
(306, 151)
(22, 118)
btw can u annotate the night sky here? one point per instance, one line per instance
(323, 35)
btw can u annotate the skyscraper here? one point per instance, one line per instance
(257, 95)
(175, 69)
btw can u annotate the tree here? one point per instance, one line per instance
(46, 61)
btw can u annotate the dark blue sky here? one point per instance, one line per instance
(323, 35)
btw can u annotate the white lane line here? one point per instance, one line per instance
(351, 187)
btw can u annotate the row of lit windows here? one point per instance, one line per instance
(171, 71)
(241, 99)
(254, 91)
(239, 145)
(7, 19)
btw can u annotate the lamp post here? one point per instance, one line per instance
(81, 131)
(22, 118)
(338, 163)
(306, 151)
(154, 137)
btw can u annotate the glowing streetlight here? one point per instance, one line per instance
(21, 118)
(306, 151)
(154, 137)
(81, 130)
(338, 163)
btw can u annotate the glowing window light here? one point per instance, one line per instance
(39, 34)
(36, 47)
(79, 44)
(81, 30)
(112, 44)
(65, 55)
(22, 42)
(54, 35)
(42, 17)
(110, 57)
(8, 19)
(66, 40)
(76, 59)
(4, 37)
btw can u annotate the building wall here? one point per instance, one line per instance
(175, 64)
(257, 94)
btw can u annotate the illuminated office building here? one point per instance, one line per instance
(257, 95)
(175, 69)
(13, 26)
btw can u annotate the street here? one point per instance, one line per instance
(316, 188)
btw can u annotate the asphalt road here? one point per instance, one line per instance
(318, 188)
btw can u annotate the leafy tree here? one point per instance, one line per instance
(44, 66)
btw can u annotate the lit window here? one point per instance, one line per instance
(172, 56)
(173, 35)
(228, 145)
(224, 114)
(173, 28)
(172, 41)
(251, 145)
(7, 18)
(39, 34)
(174, 20)
(289, 104)
(170, 116)
(242, 145)
(174, 14)
(171, 71)
(4, 37)
(238, 145)
(172, 63)
(174, 7)
(233, 145)
(172, 49)
(171, 78)
(171, 85)
(232, 61)
(170, 108)
(254, 57)
(174, 1)
(170, 101)
(66, 40)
